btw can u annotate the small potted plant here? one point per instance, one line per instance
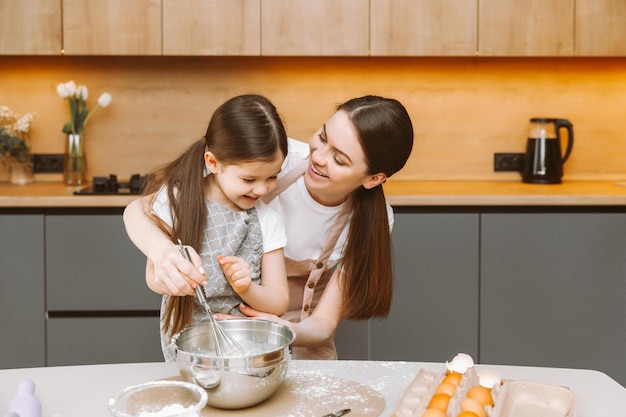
(14, 146)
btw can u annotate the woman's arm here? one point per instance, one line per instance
(272, 296)
(321, 325)
(167, 271)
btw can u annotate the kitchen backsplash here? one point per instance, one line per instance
(463, 109)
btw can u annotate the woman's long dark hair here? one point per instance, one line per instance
(245, 128)
(385, 131)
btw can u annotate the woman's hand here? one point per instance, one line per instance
(237, 272)
(172, 274)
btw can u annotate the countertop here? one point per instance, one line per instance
(79, 391)
(399, 193)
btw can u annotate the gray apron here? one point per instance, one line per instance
(228, 232)
(308, 278)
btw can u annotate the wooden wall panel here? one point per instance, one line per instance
(463, 109)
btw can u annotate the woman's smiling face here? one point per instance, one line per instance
(337, 164)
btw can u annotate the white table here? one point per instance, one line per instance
(83, 391)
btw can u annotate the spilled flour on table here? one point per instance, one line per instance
(328, 394)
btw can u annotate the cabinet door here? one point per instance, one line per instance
(423, 27)
(552, 290)
(94, 340)
(321, 27)
(600, 29)
(435, 303)
(91, 265)
(30, 27)
(22, 315)
(112, 27)
(526, 28)
(216, 27)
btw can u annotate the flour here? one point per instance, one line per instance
(173, 410)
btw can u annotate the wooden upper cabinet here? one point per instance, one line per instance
(526, 28)
(423, 27)
(211, 27)
(600, 28)
(315, 28)
(30, 27)
(112, 27)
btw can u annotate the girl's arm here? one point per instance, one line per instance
(321, 325)
(272, 296)
(167, 271)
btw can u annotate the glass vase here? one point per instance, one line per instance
(21, 173)
(75, 167)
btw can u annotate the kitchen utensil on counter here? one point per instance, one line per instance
(224, 344)
(338, 413)
(236, 382)
(159, 398)
(543, 163)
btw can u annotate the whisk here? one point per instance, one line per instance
(225, 344)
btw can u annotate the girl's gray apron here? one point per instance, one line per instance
(308, 278)
(228, 232)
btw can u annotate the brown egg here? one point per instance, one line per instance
(439, 401)
(453, 378)
(446, 388)
(433, 412)
(470, 404)
(481, 394)
(467, 414)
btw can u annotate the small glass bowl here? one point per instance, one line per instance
(159, 399)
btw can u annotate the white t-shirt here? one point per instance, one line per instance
(307, 222)
(272, 227)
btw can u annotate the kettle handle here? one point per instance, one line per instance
(564, 123)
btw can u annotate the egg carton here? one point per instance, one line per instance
(511, 399)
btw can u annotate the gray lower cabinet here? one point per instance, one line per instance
(22, 316)
(553, 290)
(435, 304)
(99, 307)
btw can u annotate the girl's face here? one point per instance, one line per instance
(239, 186)
(337, 163)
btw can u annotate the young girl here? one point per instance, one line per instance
(209, 199)
(338, 254)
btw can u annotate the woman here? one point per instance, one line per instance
(330, 197)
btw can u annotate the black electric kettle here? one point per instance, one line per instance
(544, 160)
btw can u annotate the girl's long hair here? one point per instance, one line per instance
(245, 128)
(385, 131)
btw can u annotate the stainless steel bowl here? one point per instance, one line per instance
(236, 382)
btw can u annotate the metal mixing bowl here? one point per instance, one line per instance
(159, 398)
(236, 382)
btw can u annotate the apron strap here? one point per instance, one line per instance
(318, 267)
(286, 180)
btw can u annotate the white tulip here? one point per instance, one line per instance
(63, 91)
(71, 87)
(82, 92)
(104, 99)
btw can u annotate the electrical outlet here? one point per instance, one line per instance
(48, 163)
(508, 161)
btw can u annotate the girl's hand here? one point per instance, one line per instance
(237, 272)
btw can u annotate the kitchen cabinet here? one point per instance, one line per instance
(553, 287)
(600, 29)
(112, 27)
(22, 316)
(99, 307)
(217, 27)
(423, 27)
(526, 28)
(315, 28)
(30, 27)
(435, 303)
